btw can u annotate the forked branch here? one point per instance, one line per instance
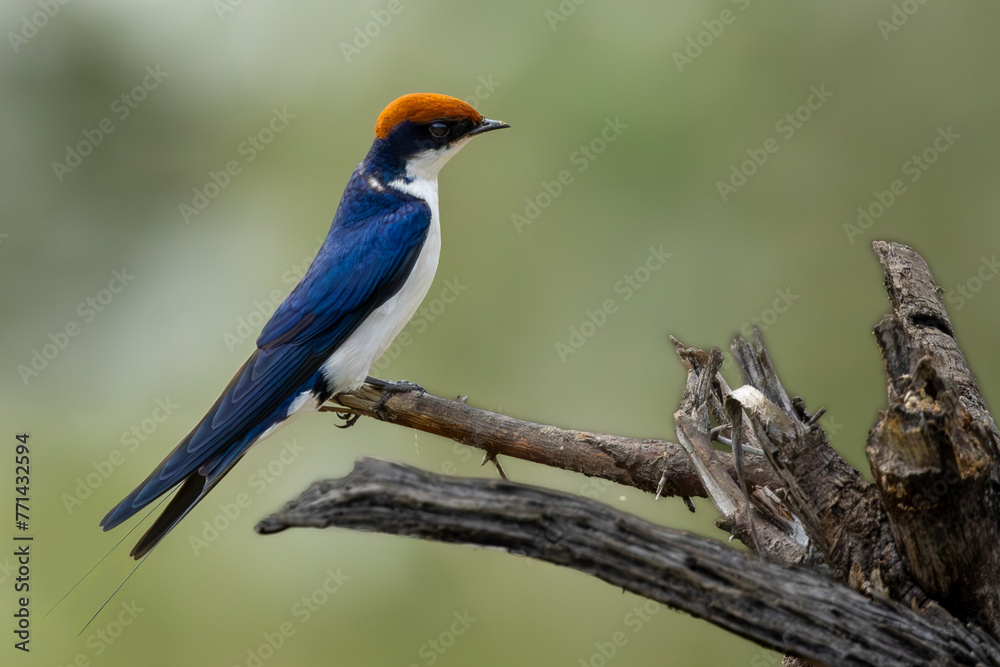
(899, 572)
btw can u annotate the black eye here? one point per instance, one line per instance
(438, 130)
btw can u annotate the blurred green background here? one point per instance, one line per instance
(805, 111)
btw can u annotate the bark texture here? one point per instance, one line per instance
(903, 571)
(933, 451)
(786, 609)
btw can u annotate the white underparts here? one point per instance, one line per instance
(347, 367)
(302, 404)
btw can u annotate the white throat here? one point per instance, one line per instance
(347, 367)
(426, 165)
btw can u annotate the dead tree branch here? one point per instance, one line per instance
(789, 610)
(900, 571)
(820, 493)
(934, 451)
(654, 466)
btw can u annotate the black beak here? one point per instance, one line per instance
(485, 125)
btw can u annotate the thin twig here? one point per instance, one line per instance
(638, 463)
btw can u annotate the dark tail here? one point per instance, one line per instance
(191, 491)
(195, 487)
(257, 398)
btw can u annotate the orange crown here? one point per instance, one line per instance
(422, 108)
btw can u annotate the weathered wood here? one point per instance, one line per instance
(925, 329)
(824, 498)
(934, 450)
(788, 609)
(925, 533)
(841, 513)
(764, 527)
(654, 466)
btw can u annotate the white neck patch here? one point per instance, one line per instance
(426, 165)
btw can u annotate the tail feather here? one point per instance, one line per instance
(194, 488)
(190, 492)
(257, 399)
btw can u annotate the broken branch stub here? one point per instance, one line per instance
(934, 450)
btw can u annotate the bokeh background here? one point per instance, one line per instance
(684, 94)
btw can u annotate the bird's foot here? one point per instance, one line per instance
(397, 387)
(389, 388)
(350, 418)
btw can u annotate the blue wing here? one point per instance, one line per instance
(373, 244)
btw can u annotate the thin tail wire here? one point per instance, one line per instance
(103, 558)
(110, 597)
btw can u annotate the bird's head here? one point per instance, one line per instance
(416, 134)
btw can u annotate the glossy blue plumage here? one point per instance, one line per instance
(367, 280)
(373, 243)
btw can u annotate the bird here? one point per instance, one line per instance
(365, 283)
